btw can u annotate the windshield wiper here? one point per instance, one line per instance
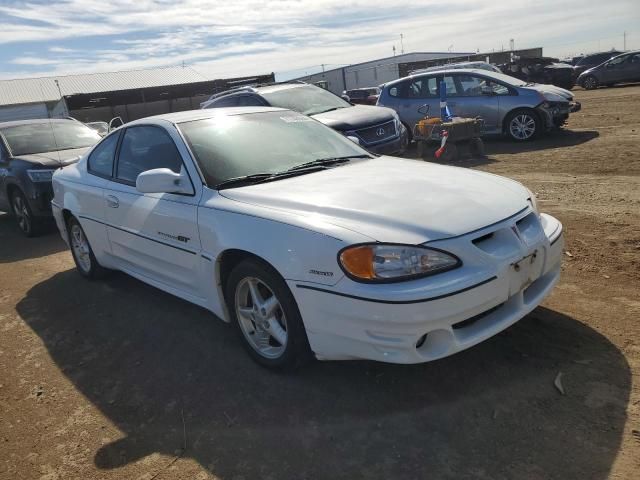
(327, 161)
(267, 177)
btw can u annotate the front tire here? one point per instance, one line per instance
(266, 316)
(523, 125)
(82, 252)
(27, 223)
(590, 83)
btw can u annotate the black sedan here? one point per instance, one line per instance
(30, 151)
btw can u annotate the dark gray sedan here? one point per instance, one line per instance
(30, 151)
(621, 69)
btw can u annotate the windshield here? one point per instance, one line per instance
(48, 137)
(234, 146)
(307, 99)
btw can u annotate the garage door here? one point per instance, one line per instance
(23, 112)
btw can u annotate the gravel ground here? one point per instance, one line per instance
(115, 379)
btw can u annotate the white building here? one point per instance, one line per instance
(372, 73)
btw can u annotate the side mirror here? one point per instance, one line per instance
(115, 123)
(354, 139)
(163, 180)
(346, 98)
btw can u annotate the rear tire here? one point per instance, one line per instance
(82, 252)
(522, 125)
(29, 225)
(590, 83)
(266, 316)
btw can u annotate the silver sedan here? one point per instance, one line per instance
(506, 104)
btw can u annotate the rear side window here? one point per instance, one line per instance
(145, 148)
(101, 159)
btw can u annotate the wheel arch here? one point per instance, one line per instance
(522, 108)
(225, 263)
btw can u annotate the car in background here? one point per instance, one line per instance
(592, 60)
(377, 129)
(305, 242)
(621, 69)
(451, 66)
(30, 152)
(506, 104)
(362, 96)
(101, 127)
(545, 70)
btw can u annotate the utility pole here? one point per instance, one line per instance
(394, 50)
(402, 44)
(322, 65)
(512, 44)
(624, 41)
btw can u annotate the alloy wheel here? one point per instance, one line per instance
(522, 126)
(261, 317)
(80, 247)
(590, 83)
(21, 211)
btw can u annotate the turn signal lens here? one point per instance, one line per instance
(358, 261)
(394, 263)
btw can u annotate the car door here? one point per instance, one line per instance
(632, 66)
(473, 96)
(615, 70)
(416, 93)
(155, 235)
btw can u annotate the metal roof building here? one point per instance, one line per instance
(102, 96)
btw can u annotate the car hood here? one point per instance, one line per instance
(393, 200)
(553, 93)
(54, 159)
(355, 117)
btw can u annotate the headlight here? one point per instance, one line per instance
(533, 202)
(381, 263)
(40, 175)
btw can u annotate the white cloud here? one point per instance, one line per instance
(226, 38)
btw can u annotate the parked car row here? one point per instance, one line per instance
(619, 69)
(276, 208)
(310, 245)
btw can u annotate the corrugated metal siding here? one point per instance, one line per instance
(31, 90)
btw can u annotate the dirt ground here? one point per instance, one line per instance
(117, 380)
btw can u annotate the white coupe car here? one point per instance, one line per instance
(309, 244)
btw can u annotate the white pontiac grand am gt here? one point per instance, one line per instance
(305, 241)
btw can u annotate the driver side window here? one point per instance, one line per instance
(146, 148)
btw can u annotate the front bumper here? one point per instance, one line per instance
(39, 195)
(434, 317)
(395, 146)
(556, 114)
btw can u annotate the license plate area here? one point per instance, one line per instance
(525, 271)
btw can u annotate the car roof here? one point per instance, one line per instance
(191, 115)
(35, 121)
(479, 71)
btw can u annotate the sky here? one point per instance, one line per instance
(291, 37)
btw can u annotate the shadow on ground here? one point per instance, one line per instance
(553, 139)
(146, 359)
(15, 247)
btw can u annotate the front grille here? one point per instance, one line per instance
(470, 321)
(377, 133)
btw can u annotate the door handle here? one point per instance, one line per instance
(112, 201)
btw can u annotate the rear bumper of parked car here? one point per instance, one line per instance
(438, 316)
